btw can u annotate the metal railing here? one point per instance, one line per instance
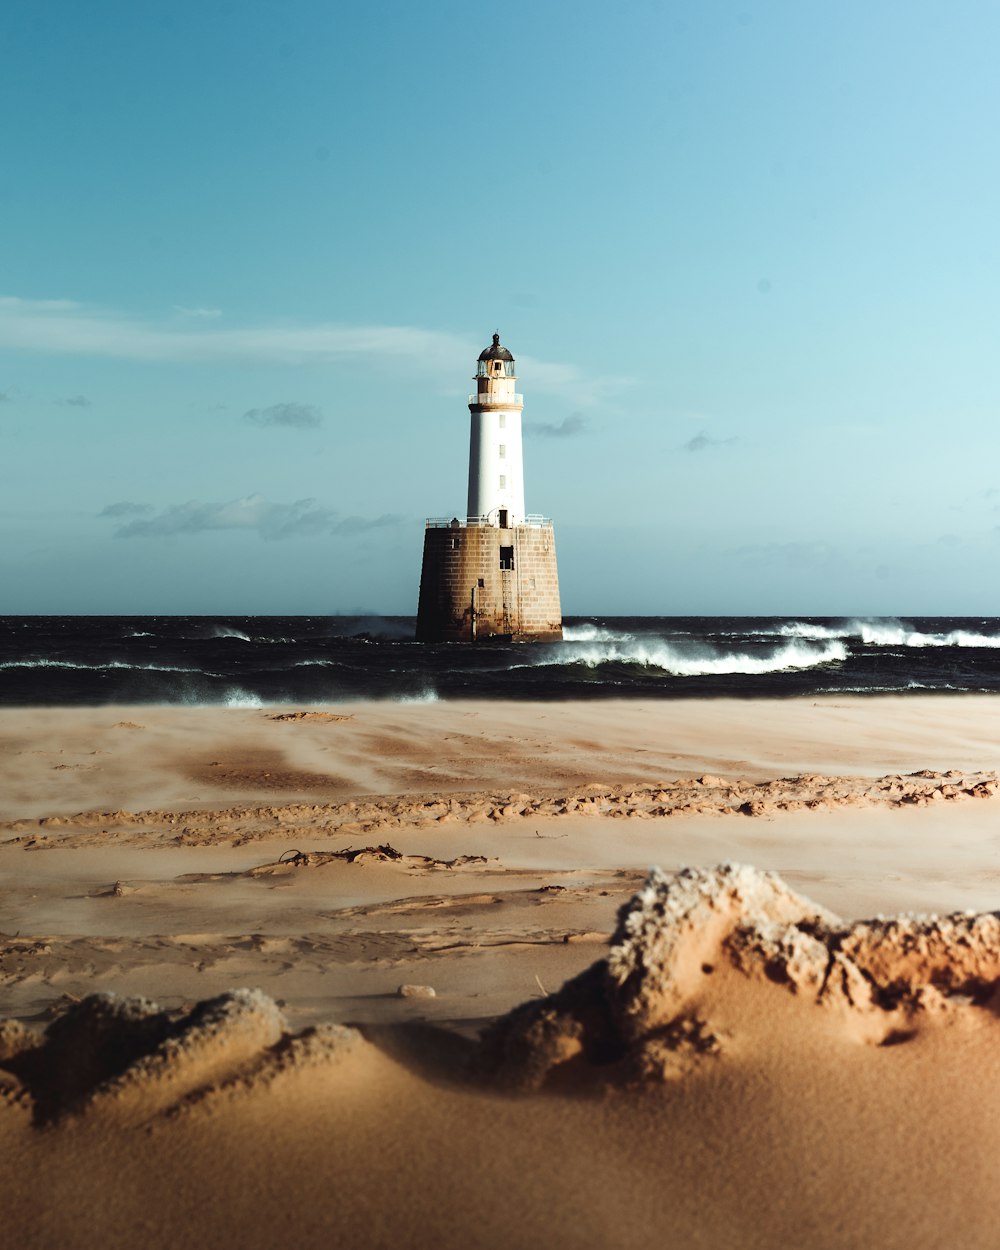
(514, 400)
(534, 519)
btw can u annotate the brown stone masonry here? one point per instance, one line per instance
(482, 582)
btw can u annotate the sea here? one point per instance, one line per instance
(257, 661)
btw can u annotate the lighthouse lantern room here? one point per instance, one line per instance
(491, 574)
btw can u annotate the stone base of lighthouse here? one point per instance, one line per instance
(480, 582)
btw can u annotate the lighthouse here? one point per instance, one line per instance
(491, 573)
(496, 463)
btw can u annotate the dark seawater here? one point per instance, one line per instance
(252, 661)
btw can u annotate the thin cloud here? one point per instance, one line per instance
(6, 397)
(75, 401)
(209, 313)
(298, 416)
(125, 508)
(269, 520)
(62, 327)
(796, 555)
(568, 427)
(702, 442)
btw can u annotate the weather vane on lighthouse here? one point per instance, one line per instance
(493, 573)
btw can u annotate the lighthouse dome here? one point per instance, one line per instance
(495, 351)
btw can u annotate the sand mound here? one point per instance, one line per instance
(131, 1059)
(644, 1006)
(649, 1010)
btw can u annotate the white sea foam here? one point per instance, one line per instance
(898, 634)
(813, 633)
(691, 660)
(145, 668)
(885, 632)
(227, 631)
(235, 697)
(424, 696)
(593, 633)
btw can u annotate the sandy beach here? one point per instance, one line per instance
(766, 1071)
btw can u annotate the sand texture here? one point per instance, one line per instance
(402, 975)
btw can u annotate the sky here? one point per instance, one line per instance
(745, 254)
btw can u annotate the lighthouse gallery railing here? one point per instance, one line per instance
(514, 400)
(534, 519)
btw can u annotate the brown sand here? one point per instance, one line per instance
(483, 850)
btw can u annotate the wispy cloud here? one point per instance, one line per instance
(62, 327)
(703, 442)
(300, 416)
(568, 427)
(125, 508)
(270, 520)
(796, 555)
(6, 397)
(75, 401)
(209, 313)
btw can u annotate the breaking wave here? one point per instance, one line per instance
(592, 633)
(227, 631)
(108, 666)
(242, 698)
(691, 660)
(886, 632)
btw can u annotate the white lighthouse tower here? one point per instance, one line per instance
(496, 465)
(491, 573)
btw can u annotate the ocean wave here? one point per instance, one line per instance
(883, 632)
(235, 697)
(691, 660)
(227, 631)
(593, 633)
(912, 684)
(368, 628)
(99, 668)
(888, 634)
(808, 631)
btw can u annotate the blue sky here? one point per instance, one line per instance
(746, 256)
